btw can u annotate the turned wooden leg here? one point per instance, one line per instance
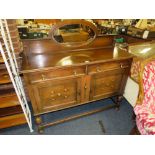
(38, 120)
(118, 101)
(134, 131)
(40, 129)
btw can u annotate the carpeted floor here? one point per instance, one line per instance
(109, 122)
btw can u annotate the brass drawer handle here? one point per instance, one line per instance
(59, 94)
(43, 76)
(85, 86)
(66, 96)
(65, 90)
(52, 92)
(85, 90)
(98, 69)
(124, 66)
(75, 73)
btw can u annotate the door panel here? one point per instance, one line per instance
(57, 94)
(106, 84)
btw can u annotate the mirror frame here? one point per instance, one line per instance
(70, 22)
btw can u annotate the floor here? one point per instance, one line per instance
(109, 122)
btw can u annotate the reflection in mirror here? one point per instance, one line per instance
(79, 58)
(73, 33)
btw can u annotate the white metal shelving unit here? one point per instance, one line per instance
(9, 57)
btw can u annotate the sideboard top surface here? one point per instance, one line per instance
(44, 54)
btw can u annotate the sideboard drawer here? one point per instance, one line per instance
(102, 67)
(56, 73)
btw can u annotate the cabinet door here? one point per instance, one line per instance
(56, 94)
(106, 84)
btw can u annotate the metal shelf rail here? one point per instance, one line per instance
(9, 57)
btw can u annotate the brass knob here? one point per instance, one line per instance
(53, 99)
(65, 89)
(59, 94)
(98, 69)
(52, 92)
(75, 73)
(85, 87)
(124, 66)
(43, 76)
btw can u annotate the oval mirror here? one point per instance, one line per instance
(73, 33)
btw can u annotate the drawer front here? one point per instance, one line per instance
(56, 94)
(12, 120)
(1, 59)
(2, 66)
(56, 73)
(4, 76)
(108, 66)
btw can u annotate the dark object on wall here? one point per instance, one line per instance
(24, 36)
(134, 22)
(151, 34)
(35, 35)
(121, 29)
(105, 30)
(71, 26)
(23, 32)
(136, 32)
(140, 33)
